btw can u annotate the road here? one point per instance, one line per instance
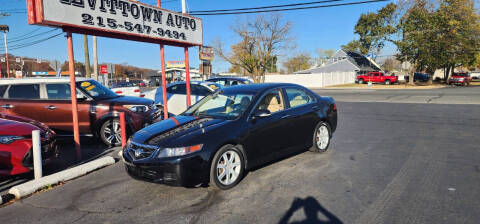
(388, 163)
(447, 95)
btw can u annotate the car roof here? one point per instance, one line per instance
(232, 78)
(40, 80)
(260, 87)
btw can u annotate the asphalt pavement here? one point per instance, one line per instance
(388, 163)
(446, 95)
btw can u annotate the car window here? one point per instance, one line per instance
(3, 89)
(221, 82)
(200, 90)
(297, 97)
(177, 89)
(272, 101)
(234, 83)
(28, 91)
(58, 91)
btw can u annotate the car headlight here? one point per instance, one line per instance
(9, 139)
(179, 151)
(137, 108)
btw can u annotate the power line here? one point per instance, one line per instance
(268, 7)
(36, 35)
(289, 9)
(19, 46)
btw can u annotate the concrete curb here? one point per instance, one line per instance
(31, 187)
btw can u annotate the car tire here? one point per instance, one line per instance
(321, 137)
(106, 135)
(232, 158)
(360, 81)
(387, 82)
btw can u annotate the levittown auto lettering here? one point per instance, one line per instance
(125, 16)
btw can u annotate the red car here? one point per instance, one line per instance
(16, 154)
(461, 78)
(376, 77)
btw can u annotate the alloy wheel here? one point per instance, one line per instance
(228, 167)
(322, 137)
(112, 132)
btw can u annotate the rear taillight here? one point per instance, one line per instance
(334, 107)
(137, 90)
(118, 92)
(142, 95)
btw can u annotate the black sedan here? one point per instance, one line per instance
(229, 132)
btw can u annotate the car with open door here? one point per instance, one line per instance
(177, 94)
(229, 132)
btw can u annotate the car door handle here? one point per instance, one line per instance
(7, 106)
(51, 107)
(285, 116)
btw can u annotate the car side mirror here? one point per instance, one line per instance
(261, 113)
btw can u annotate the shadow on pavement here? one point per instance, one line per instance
(91, 149)
(311, 207)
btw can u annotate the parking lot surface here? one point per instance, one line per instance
(447, 95)
(388, 163)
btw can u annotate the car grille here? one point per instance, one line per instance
(140, 151)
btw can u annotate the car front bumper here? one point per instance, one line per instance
(186, 171)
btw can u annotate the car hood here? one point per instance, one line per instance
(17, 128)
(164, 132)
(126, 100)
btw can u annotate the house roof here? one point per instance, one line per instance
(345, 61)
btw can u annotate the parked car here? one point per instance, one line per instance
(460, 78)
(126, 89)
(418, 77)
(177, 94)
(475, 75)
(376, 77)
(48, 100)
(231, 131)
(16, 154)
(229, 81)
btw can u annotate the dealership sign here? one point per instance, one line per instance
(123, 19)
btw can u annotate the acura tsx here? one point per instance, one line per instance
(229, 132)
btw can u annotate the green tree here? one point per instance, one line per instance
(353, 45)
(297, 63)
(375, 29)
(323, 55)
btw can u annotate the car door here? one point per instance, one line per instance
(59, 109)
(302, 109)
(24, 100)
(268, 135)
(177, 98)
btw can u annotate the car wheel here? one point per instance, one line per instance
(321, 137)
(110, 132)
(387, 82)
(227, 167)
(360, 81)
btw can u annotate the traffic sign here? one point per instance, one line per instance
(104, 69)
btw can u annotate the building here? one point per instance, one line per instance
(345, 61)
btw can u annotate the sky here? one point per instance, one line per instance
(326, 28)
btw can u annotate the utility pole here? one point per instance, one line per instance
(5, 30)
(87, 56)
(95, 58)
(3, 15)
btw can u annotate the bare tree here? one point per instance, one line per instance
(261, 42)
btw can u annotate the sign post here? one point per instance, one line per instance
(73, 95)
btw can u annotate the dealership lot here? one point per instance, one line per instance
(405, 162)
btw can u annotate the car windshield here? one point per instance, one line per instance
(223, 105)
(96, 90)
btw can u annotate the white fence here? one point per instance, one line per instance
(314, 80)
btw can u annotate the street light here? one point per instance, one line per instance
(5, 30)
